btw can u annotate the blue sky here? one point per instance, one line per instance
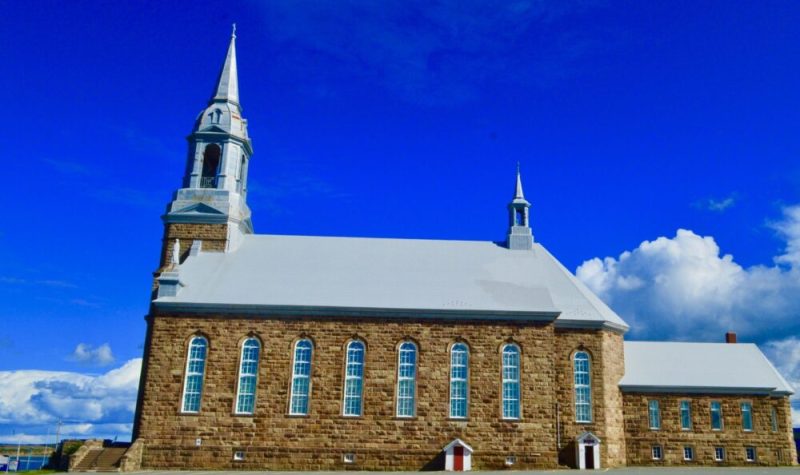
(631, 121)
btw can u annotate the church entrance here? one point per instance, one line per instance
(587, 451)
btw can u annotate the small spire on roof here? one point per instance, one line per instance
(176, 253)
(518, 194)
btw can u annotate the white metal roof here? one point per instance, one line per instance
(368, 276)
(700, 367)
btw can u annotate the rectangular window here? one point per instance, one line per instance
(656, 451)
(747, 416)
(774, 420)
(750, 454)
(688, 453)
(686, 415)
(719, 454)
(716, 415)
(654, 414)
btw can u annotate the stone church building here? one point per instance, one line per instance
(302, 352)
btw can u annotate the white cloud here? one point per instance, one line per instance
(100, 356)
(89, 405)
(712, 204)
(684, 287)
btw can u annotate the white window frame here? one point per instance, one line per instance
(719, 410)
(685, 406)
(201, 374)
(774, 419)
(455, 351)
(512, 381)
(351, 379)
(243, 375)
(747, 456)
(657, 452)
(746, 409)
(406, 388)
(719, 454)
(688, 449)
(654, 414)
(294, 393)
(582, 407)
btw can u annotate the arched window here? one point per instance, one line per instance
(406, 379)
(459, 372)
(211, 157)
(583, 387)
(195, 370)
(511, 382)
(353, 378)
(301, 378)
(248, 372)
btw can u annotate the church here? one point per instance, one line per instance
(331, 353)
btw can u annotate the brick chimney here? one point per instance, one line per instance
(730, 337)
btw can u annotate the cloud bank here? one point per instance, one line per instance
(32, 402)
(684, 288)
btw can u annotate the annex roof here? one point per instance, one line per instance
(307, 275)
(678, 367)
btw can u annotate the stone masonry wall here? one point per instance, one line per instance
(607, 368)
(772, 448)
(214, 237)
(271, 439)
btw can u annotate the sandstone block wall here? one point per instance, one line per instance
(272, 439)
(772, 448)
(607, 368)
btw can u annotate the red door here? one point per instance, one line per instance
(458, 459)
(589, 458)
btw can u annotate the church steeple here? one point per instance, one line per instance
(520, 236)
(214, 187)
(228, 82)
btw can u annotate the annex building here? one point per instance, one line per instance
(303, 352)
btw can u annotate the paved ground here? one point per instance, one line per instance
(620, 471)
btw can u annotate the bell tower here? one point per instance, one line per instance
(520, 237)
(211, 206)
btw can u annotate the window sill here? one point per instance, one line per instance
(297, 416)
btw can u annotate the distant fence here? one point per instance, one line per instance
(26, 462)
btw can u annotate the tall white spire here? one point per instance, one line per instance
(228, 82)
(520, 236)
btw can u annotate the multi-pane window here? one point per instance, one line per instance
(583, 387)
(406, 379)
(654, 413)
(750, 454)
(688, 453)
(719, 454)
(657, 453)
(301, 378)
(716, 415)
(195, 369)
(353, 378)
(747, 416)
(459, 372)
(774, 420)
(511, 382)
(248, 370)
(686, 415)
